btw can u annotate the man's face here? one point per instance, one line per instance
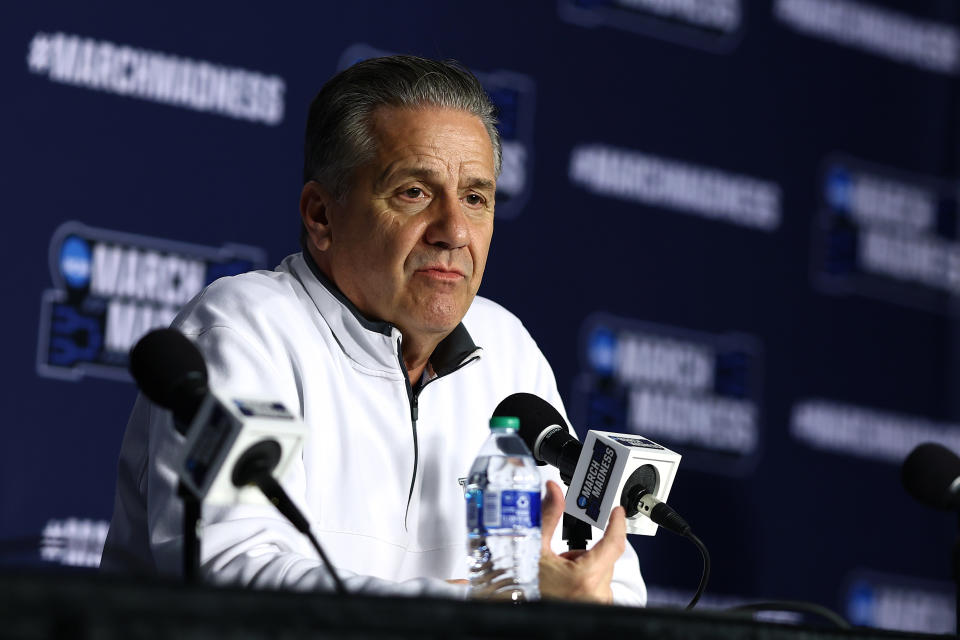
(409, 243)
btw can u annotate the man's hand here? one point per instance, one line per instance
(579, 575)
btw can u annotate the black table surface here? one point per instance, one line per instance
(89, 605)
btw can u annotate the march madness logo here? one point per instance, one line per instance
(887, 235)
(513, 95)
(111, 288)
(597, 478)
(716, 26)
(899, 602)
(697, 390)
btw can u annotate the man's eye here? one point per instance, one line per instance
(473, 199)
(413, 192)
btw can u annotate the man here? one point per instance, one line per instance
(372, 334)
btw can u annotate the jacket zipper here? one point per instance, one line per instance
(414, 398)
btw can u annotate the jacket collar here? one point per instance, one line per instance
(362, 337)
(453, 351)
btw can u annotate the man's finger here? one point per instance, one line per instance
(487, 577)
(551, 511)
(611, 545)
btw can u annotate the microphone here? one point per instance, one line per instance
(223, 432)
(606, 470)
(232, 443)
(171, 372)
(544, 431)
(609, 469)
(931, 474)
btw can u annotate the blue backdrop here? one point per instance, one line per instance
(731, 226)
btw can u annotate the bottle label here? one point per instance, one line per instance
(503, 509)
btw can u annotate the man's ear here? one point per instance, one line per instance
(315, 204)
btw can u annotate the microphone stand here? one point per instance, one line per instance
(575, 531)
(191, 533)
(956, 574)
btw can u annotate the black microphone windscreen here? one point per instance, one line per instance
(535, 414)
(170, 370)
(928, 475)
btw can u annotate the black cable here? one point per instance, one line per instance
(337, 582)
(255, 466)
(705, 576)
(797, 607)
(641, 500)
(279, 498)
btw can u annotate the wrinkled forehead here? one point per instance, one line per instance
(437, 138)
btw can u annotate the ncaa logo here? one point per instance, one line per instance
(861, 603)
(838, 188)
(513, 95)
(602, 350)
(75, 258)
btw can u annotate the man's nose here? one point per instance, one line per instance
(448, 227)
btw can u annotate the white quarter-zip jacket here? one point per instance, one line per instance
(380, 478)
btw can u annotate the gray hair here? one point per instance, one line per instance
(338, 137)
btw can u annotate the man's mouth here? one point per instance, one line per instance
(440, 272)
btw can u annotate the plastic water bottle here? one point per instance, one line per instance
(503, 517)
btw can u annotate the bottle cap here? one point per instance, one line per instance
(504, 422)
